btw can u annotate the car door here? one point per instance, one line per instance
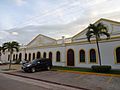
(38, 66)
(43, 64)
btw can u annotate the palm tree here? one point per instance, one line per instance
(97, 31)
(11, 47)
(0, 52)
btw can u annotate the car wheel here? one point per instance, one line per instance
(48, 68)
(33, 70)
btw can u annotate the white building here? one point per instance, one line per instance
(75, 51)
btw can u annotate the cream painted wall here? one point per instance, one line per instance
(106, 49)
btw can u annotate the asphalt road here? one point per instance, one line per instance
(10, 84)
(91, 82)
(35, 81)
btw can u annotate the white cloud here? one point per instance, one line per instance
(72, 15)
(14, 33)
(20, 2)
(3, 34)
(6, 21)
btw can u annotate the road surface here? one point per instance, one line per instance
(10, 82)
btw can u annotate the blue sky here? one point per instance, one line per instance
(22, 20)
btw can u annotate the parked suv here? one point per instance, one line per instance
(37, 64)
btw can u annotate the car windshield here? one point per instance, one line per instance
(34, 62)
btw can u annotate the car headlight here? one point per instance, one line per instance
(28, 65)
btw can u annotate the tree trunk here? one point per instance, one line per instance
(98, 51)
(10, 61)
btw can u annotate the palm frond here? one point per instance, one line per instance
(97, 30)
(16, 48)
(89, 33)
(10, 46)
(89, 37)
(107, 34)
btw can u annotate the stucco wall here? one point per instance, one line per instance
(107, 50)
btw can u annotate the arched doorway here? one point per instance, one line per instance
(38, 55)
(57, 56)
(44, 55)
(118, 54)
(14, 57)
(20, 56)
(50, 55)
(25, 56)
(33, 56)
(29, 57)
(70, 57)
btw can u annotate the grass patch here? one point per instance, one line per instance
(72, 69)
(55, 68)
(114, 72)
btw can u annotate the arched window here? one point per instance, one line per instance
(38, 55)
(8, 57)
(118, 54)
(20, 56)
(29, 57)
(57, 56)
(13, 57)
(92, 56)
(16, 57)
(33, 56)
(25, 56)
(82, 55)
(50, 55)
(44, 55)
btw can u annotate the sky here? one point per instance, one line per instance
(22, 20)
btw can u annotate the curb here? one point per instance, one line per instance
(90, 73)
(47, 81)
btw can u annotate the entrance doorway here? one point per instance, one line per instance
(70, 57)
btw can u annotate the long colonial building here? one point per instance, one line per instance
(75, 51)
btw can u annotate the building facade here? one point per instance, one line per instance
(75, 51)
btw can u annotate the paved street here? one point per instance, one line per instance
(92, 82)
(6, 83)
(83, 81)
(10, 82)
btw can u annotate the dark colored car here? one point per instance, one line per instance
(37, 65)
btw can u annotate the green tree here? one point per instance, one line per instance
(96, 31)
(10, 47)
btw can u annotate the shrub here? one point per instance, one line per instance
(103, 68)
(17, 61)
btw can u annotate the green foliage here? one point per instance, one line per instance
(10, 47)
(79, 69)
(101, 69)
(72, 69)
(17, 61)
(96, 31)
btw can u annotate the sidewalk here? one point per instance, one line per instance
(5, 68)
(17, 67)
